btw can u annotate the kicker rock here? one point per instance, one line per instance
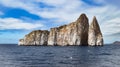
(75, 33)
(95, 37)
(36, 37)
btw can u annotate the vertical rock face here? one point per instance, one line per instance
(52, 38)
(95, 37)
(36, 37)
(75, 33)
(65, 35)
(82, 29)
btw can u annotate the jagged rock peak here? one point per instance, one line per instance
(95, 37)
(95, 25)
(82, 17)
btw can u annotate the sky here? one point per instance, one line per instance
(19, 17)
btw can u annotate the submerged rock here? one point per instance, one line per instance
(75, 33)
(95, 37)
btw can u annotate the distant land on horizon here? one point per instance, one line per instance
(116, 42)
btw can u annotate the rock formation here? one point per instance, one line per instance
(21, 42)
(95, 37)
(36, 37)
(75, 33)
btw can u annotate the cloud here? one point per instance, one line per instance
(13, 23)
(64, 11)
(111, 26)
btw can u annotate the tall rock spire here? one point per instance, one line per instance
(95, 37)
(82, 29)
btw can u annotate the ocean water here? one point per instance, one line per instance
(59, 56)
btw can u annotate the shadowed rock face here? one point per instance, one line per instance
(95, 37)
(82, 29)
(75, 33)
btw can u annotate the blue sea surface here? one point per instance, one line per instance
(59, 56)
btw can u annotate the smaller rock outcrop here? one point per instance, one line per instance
(95, 37)
(37, 37)
(21, 42)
